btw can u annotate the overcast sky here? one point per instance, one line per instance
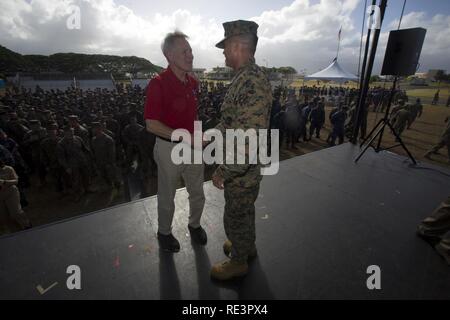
(298, 33)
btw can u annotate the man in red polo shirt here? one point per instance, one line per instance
(171, 104)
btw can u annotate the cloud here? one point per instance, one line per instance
(302, 34)
(306, 36)
(39, 26)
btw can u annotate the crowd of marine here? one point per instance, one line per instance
(67, 140)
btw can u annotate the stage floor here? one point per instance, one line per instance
(321, 222)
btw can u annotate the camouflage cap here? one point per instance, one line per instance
(238, 27)
(96, 124)
(53, 126)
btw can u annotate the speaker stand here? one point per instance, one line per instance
(379, 130)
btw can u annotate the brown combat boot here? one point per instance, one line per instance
(443, 248)
(227, 245)
(229, 269)
(427, 155)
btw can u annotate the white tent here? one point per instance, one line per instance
(333, 72)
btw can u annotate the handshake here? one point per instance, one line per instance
(196, 140)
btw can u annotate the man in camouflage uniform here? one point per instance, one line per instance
(32, 144)
(415, 111)
(146, 145)
(104, 150)
(397, 107)
(317, 118)
(48, 156)
(15, 129)
(400, 120)
(47, 118)
(246, 105)
(291, 121)
(79, 130)
(337, 119)
(113, 126)
(435, 98)
(74, 157)
(445, 141)
(131, 139)
(436, 229)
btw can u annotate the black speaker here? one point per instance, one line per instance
(403, 52)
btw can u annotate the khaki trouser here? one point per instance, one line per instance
(10, 205)
(168, 177)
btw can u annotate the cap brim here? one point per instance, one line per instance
(221, 44)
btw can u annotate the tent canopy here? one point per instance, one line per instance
(333, 72)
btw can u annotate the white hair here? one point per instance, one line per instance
(169, 41)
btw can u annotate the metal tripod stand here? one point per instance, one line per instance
(379, 130)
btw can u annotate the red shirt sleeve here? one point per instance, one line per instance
(153, 101)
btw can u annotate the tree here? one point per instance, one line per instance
(440, 76)
(287, 70)
(374, 78)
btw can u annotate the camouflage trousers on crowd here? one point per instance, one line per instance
(108, 172)
(132, 152)
(442, 143)
(239, 219)
(10, 207)
(436, 229)
(80, 179)
(57, 173)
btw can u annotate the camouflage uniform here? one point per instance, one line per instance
(10, 200)
(73, 154)
(436, 229)
(32, 143)
(397, 108)
(79, 130)
(400, 120)
(130, 137)
(246, 105)
(82, 132)
(416, 111)
(113, 126)
(104, 150)
(445, 141)
(317, 119)
(49, 160)
(146, 146)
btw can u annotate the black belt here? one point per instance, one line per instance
(168, 140)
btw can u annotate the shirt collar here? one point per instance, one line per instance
(175, 78)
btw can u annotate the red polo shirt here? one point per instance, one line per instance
(171, 101)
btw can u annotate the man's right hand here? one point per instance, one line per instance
(217, 181)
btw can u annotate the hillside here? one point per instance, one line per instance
(11, 62)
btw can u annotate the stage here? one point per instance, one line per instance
(321, 222)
